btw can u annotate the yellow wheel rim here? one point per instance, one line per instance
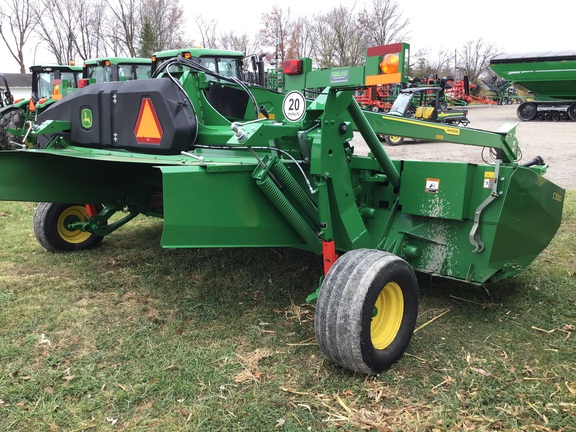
(389, 310)
(72, 214)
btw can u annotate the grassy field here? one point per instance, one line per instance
(132, 337)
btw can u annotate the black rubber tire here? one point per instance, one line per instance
(4, 118)
(393, 140)
(346, 304)
(15, 121)
(527, 111)
(50, 221)
(572, 112)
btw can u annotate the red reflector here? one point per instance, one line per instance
(91, 210)
(42, 100)
(292, 67)
(82, 82)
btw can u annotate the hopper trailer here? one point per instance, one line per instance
(550, 76)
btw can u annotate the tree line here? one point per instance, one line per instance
(72, 30)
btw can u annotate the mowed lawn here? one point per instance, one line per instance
(133, 337)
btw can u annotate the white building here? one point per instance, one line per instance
(20, 85)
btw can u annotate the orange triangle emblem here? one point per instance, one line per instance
(148, 129)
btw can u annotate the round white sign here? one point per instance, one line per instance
(294, 106)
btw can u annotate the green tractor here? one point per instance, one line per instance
(110, 69)
(49, 84)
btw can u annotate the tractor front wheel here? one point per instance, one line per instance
(51, 227)
(366, 311)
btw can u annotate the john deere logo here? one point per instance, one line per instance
(86, 114)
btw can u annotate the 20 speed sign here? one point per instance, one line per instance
(294, 106)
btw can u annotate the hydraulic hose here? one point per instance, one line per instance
(536, 161)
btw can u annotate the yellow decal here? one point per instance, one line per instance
(557, 197)
(488, 180)
(446, 129)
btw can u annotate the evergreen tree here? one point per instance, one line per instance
(148, 39)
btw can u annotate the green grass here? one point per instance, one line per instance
(133, 337)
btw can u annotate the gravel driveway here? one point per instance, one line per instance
(555, 142)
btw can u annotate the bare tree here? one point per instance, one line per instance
(383, 22)
(341, 42)
(57, 28)
(235, 42)
(474, 58)
(167, 19)
(275, 32)
(125, 27)
(207, 30)
(302, 39)
(17, 22)
(426, 64)
(90, 40)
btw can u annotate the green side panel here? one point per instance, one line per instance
(220, 209)
(36, 175)
(336, 77)
(530, 216)
(432, 232)
(547, 78)
(440, 190)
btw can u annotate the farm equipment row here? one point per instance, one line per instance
(50, 83)
(550, 76)
(226, 163)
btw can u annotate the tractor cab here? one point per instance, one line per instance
(56, 80)
(116, 69)
(225, 63)
(218, 63)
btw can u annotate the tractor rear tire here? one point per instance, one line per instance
(527, 111)
(51, 228)
(393, 140)
(4, 144)
(16, 121)
(366, 310)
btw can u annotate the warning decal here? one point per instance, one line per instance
(432, 185)
(488, 180)
(148, 129)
